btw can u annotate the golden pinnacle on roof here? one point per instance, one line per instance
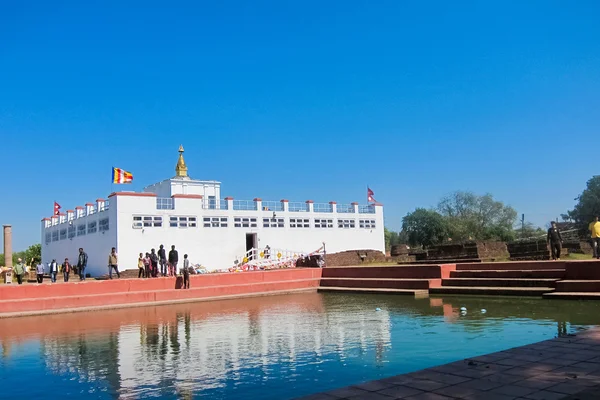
(181, 168)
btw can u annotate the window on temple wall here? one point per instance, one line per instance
(71, 233)
(92, 227)
(240, 222)
(182, 222)
(214, 222)
(48, 237)
(299, 223)
(81, 230)
(103, 225)
(146, 221)
(346, 223)
(367, 223)
(55, 236)
(323, 223)
(273, 223)
(63, 234)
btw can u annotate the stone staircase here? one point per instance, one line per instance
(408, 280)
(582, 281)
(502, 278)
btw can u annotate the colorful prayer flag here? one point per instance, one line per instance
(121, 176)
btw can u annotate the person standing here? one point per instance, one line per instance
(141, 272)
(19, 270)
(186, 272)
(594, 228)
(53, 269)
(162, 259)
(267, 252)
(154, 260)
(66, 269)
(82, 260)
(173, 260)
(147, 265)
(113, 263)
(555, 241)
(39, 270)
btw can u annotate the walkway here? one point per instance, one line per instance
(563, 368)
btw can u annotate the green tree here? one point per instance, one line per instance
(33, 251)
(588, 204)
(471, 216)
(391, 238)
(425, 227)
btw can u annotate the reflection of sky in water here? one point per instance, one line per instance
(278, 352)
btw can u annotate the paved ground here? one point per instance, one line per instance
(562, 368)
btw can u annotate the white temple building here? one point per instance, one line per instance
(215, 232)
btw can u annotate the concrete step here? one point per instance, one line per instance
(483, 291)
(523, 274)
(381, 283)
(511, 266)
(572, 296)
(411, 292)
(578, 286)
(394, 272)
(498, 282)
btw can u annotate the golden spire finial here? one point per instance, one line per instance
(181, 168)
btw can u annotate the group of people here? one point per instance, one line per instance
(148, 265)
(555, 239)
(53, 268)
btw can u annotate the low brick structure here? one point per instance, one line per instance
(354, 257)
(526, 250)
(471, 250)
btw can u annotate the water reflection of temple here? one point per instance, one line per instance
(182, 351)
(209, 345)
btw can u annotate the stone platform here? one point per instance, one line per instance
(562, 368)
(33, 299)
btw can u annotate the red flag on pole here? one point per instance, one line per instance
(56, 208)
(370, 197)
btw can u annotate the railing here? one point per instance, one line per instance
(272, 206)
(247, 205)
(164, 203)
(322, 207)
(296, 206)
(345, 208)
(366, 209)
(258, 259)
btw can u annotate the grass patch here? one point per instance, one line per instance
(578, 256)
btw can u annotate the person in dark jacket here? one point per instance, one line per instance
(173, 259)
(555, 241)
(81, 264)
(66, 270)
(154, 260)
(162, 259)
(53, 269)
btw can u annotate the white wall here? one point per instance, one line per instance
(169, 187)
(213, 247)
(96, 245)
(217, 248)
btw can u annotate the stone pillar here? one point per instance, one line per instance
(8, 246)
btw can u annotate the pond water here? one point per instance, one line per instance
(277, 347)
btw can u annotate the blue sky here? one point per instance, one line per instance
(300, 100)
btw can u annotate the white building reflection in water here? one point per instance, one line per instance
(184, 354)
